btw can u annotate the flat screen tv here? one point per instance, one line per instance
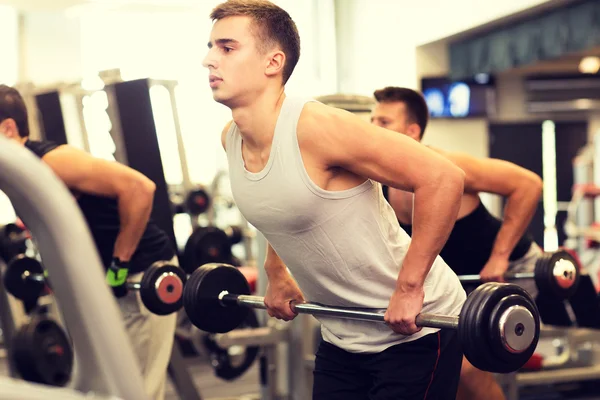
(469, 98)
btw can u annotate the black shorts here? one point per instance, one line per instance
(427, 368)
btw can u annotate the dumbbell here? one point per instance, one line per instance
(557, 273)
(498, 326)
(161, 287)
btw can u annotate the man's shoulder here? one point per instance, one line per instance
(41, 147)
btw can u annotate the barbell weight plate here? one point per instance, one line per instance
(206, 245)
(13, 241)
(514, 328)
(565, 274)
(230, 364)
(161, 288)
(235, 234)
(201, 298)
(485, 345)
(14, 278)
(197, 201)
(475, 345)
(42, 352)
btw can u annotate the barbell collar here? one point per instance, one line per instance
(422, 320)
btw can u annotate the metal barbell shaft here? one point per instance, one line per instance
(422, 320)
(507, 277)
(42, 278)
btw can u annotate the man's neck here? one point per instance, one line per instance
(257, 121)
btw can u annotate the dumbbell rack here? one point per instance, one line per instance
(566, 366)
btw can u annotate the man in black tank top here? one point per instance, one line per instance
(479, 243)
(116, 202)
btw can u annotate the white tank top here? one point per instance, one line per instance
(344, 248)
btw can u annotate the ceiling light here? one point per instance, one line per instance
(589, 65)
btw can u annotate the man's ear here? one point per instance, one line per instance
(8, 128)
(275, 63)
(414, 131)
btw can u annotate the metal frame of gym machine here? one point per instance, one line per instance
(105, 359)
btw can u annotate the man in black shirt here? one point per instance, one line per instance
(479, 243)
(116, 202)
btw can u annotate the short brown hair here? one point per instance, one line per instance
(415, 103)
(13, 106)
(272, 24)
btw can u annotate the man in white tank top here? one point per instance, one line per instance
(307, 176)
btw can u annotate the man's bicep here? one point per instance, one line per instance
(379, 154)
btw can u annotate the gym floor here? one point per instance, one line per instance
(212, 388)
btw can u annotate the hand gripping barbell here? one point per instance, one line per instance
(498, 326)
(557, 273)
(161, 287)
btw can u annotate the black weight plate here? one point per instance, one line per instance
(507, 361)
(564, 274)
(161, 288)
(42, 352)
(13, 241)
(476, 347)
(542, 274)
(206, 245)
(15, 278)
(222, 360)
(201, 298)
(235, 234)
(197, 201)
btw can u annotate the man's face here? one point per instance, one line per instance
(393, 116)
(236, 66)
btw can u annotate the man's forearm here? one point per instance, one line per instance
(435, 210)
(134, 212)
(519, 210)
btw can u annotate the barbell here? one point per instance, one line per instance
(498, 326)
(557, 273)
(161, 287)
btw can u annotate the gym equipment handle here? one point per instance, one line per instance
(508, 277)
(422, 320)
(42, 278)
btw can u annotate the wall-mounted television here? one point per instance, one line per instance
(468, 98)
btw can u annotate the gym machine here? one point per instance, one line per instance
(105, 360)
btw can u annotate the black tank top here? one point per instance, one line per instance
(471, 241)
(102, 216)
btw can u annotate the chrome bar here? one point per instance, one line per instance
(422, 320)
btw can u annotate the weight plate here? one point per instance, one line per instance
(514, 329)
(16, 279)
(42, 352)
(229, 364)
(201, 298)
(206, 245)
(235, 234)
(475, 345)
(197, 201)
(564, 273)
(161, 288)
(13, 241)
